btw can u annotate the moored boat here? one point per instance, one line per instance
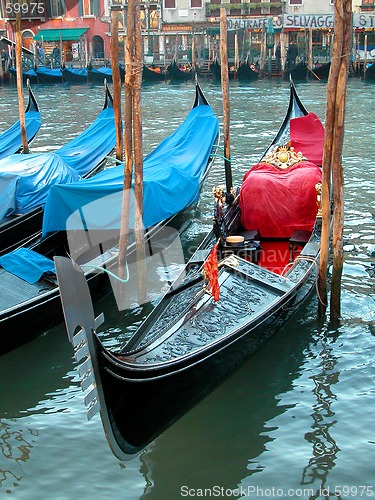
(75, 75)
(320, 71)
(176, 74)
(369, 74)
(246, 279)
(247, 72)
(298, 72)
(173, 174)
(150, 74)
(49, 75)
(11, 139)
(29, 74)
(27, 178)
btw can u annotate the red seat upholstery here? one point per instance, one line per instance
(277, 202)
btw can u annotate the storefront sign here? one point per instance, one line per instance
(290, 21)
(300, 21)
(364, 20)
(178, 28)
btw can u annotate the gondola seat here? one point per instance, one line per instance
(278, 198)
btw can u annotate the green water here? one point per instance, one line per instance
(295, 422)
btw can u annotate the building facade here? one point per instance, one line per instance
(185, 30)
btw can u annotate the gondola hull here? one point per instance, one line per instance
(150, 75)
(171, 392)
(175, 74)
(141, 394)
(246, 73)
(298, 73)
(74, 75)
(200, 332)
(48, 75)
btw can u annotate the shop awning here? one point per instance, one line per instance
(55, 35)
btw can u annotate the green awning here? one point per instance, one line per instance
(55, 35)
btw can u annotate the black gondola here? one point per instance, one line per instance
(215, 71)
(85, 155)
(190, 342)
(369, 74)
(30, 303)
(153, 75)
(297, 73)
(49, 75)
(175, 74)
(29, 74)
(99, 75)
(320, 71)
(11, 139)
(75, 75)
(247, 72)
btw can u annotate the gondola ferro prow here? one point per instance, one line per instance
(80, 324)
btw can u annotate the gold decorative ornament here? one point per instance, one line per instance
(284, 157)
(219, 194)
(318, 188)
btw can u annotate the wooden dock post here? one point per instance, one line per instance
(225, 91)
(332, 158)
(21, 104)
(116, 79)
(133, 148)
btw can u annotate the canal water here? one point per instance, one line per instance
(297, 421)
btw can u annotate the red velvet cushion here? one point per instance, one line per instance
(277, 202)
(307, 136)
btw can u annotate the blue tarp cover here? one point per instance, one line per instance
(42, 70)
(77, 71)
(26, 179)
(88, 149)
(104, 69)
(11, 140)
(172, 176)
(27, 264)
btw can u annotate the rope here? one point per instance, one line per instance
(100, 268)
(135, 68)
(313, 261)
(223, 157)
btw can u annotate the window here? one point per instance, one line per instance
(295, 2)
(88, 8)
(170, 4)
(196, 4)
(57, 8)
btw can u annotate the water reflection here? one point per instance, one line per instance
(15, 445)
(324, 447)
(220, 441)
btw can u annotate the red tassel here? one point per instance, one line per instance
(212, 272)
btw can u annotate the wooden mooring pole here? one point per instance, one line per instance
(332, 158)
(133, 148)
(116, 79)
(21, 104)
(225, 91)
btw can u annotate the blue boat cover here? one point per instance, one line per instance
(104, 70)
(77, 71)
(172, 176)
(26, 179)
(11, 140)
(84, 152)
(43, 70)
(27, 264)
